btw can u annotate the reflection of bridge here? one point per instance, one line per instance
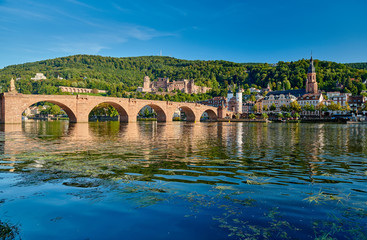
(78, 107)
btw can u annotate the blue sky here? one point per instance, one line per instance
(234, 30)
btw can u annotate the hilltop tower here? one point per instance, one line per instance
(311, 84)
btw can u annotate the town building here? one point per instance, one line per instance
(311, 100)
(39, 76)
(255, 90)
(339, 98)
(235, 102)
(356, 102)
(248, 107)
(279, 100)
(215, 102)
(80, 90)
(163, 84)
(296, 93)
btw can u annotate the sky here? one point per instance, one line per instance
(233, 30)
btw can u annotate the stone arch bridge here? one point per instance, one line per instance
(78, 107)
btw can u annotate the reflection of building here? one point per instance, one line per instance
(163, 84)
(39, 76)
(80, 90)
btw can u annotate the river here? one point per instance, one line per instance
(180, 180)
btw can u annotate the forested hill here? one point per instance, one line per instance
(125, 74)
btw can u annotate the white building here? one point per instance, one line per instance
(311, 99)
(278, 100)
(252, 90)
(39, 76)
(339, 98)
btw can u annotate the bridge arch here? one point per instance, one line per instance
(68, 111)
(161, 114)
(123, 115)
(212, 116)
(190, 114)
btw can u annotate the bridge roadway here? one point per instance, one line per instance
(78, 107)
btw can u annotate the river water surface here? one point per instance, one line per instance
(183, 181)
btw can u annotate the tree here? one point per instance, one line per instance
(284, 108)
(265, 116)
(252, 98)
(273, 107)
(346, 107)
(251, 116)
(104, 109)
(287, 85)
(54, 110)
(294, 106)
(288, 115)
(308, 107)
(146, 113)
(254, 108)
(296, 115)
(334, 107)
(280, 115)
(321, 107)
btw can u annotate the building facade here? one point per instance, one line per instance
(39, 76)
(80, 90)
(310, 99)
(356, 103)
(215, 102)
(278, 100)
(163, 84)
(339, 98)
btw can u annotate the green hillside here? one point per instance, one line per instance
(122, 75)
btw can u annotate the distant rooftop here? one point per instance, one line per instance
(296, 93)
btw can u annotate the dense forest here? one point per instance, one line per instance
(121, 76)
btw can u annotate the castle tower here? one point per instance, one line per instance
(146, 84)
(311, 84)
(239, 100)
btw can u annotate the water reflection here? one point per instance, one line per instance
(155, 150)
(221, 169)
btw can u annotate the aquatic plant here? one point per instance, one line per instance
(8, 231)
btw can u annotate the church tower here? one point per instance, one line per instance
(311, 84)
